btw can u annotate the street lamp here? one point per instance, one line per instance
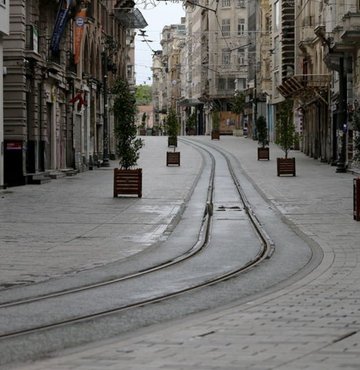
(105, 162)
(342, 116)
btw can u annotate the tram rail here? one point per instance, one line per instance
(199, 246)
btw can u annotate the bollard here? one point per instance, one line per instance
(356, 199)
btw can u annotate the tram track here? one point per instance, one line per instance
(267, 247)
(201, 243)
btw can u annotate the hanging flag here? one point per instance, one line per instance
(80, 99)
(78, 33)
(60, 24)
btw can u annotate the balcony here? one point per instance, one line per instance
(310, 85)
(32, 43)
(351, 27)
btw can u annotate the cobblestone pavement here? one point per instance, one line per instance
(73, 223)
(313, 323)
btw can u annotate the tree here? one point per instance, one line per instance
(216, 121)
(143, 120)
(127, 145)
(191, 122)
(172, 125)
(238, 103)
(285, 127)
(143, 95)
(261, 129)
(356, 127)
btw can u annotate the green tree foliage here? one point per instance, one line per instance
(143, 120)
(261, 129)
(191, 121)
(143, 95)
(238, 103)
(127, 145)
(285, 127)
(216, 121)
(356, 127)
(172, 125)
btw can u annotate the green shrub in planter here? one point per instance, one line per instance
(127, 144)
(262, 132)
(172, 127)
(285, 127)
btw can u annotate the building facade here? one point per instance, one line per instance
(61, 59)
(4, 30)
(272, 51)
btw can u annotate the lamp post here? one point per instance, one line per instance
(342, 116)
(105, 162)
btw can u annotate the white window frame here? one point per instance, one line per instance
(226, 57)
(226, 27)
(241, 27)
(241, 55)
(225, 3)
(241, 4)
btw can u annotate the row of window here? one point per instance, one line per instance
(226, 27)
(226, 84)
(226, 57)
(239, 3)
(225, 3)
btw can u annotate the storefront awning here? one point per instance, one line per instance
(192, 102)
(130, 18)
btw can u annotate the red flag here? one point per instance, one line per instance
(78, 33)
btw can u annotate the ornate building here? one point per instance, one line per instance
(61, 58)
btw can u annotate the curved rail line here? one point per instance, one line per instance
(265, 252)
(199, 245)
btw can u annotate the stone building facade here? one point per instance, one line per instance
(276, 50)
(4, 30)
(59, 57)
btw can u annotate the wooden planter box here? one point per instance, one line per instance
(215, 135)
(286, 166)
(142, 132)
(172, 141)
(127, 182)
(173, 158)
(263, 153)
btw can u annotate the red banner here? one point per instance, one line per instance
(78, 33)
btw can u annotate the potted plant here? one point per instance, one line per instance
(172, 127)
(285, 136)
(262, 132)
(127, 179)
(215, 132)
(143, 124)
(191, 124)
(356, 128)
(238, 107)
(172, 158)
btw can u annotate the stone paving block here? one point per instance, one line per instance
(303, 326)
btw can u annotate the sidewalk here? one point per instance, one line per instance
(74, 224)
(311, 324)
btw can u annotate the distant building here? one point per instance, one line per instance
(145, 118)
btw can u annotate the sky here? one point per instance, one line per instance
(164, 14)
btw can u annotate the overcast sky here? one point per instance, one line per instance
(164, 14)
